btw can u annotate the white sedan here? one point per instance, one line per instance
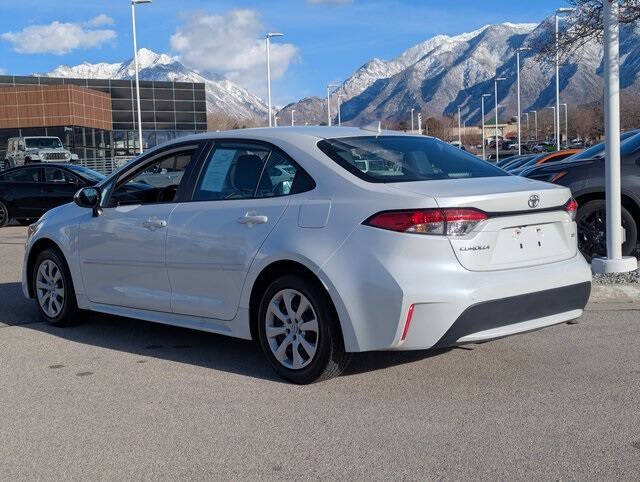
(318, 242)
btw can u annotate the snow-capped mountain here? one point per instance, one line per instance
(223, 96)
(444, 72)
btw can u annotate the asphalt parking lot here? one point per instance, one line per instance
(118, 398)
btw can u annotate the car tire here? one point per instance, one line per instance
(51, 280)
(591, 220)
(309, 327)
(5, 215)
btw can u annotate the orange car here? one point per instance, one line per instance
(557, 156)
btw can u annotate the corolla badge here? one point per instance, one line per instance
(534, 201)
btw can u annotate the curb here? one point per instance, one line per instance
(615, 293)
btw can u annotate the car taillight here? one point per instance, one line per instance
(572, 208)
(447, 221)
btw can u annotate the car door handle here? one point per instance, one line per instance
(153, 224)
(252, 218)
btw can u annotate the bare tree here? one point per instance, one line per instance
(584, 25)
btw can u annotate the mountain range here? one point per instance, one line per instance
(223, 96)
(434, 77)
(445, 72)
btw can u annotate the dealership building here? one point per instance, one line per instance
(97, 118)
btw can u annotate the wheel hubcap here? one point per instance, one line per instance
(292, 329)
(3, 214)
(50, 288)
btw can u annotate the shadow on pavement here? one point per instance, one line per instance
(181, 345)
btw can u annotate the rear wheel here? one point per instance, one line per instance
(298, 331)
(592, 230)
(53, 289)
(4, 214)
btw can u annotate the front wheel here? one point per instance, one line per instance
(299, 332)
(53, 289)
(592, 230)
(5, 217)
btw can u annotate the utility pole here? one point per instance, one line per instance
(496, 99)
(459, 132)
(412, 129)
(535, 117)
(267, 39)
(566, 124)
(292, 119)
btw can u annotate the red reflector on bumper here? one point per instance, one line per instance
(407, 323)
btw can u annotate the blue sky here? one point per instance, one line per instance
(325, 40)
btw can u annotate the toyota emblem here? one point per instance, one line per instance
(534, 201)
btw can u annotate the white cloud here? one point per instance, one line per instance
(3, 71)
(59, 38)
(100, 20)
(233, 45)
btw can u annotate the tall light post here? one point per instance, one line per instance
(556, 114)
(412, 129)
(528, 130)
(535, 117)
(329, 87)
(614, 262)
(275, 121)
(521, 49)
(484, 157)
(495, 85)
(459, 132)
(554, 118)
(339, 119)
(292, 118)
(420, 123)
(267, 39)
(566, 124)
(135, 62)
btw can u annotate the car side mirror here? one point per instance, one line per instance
(89, 197)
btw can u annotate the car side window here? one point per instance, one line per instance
(281, 177)
(23, 175)
(59, 176)
(232, 171)
(154, 182)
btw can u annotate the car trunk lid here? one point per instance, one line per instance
(526, 223)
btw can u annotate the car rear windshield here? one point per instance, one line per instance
(404, 159)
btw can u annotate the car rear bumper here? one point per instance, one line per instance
(517, 314)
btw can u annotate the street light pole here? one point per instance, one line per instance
(535, 117)
(268, 42)
(420, 123)
(614, 262)
(528, 130)
(412, 129)
(135, 62)
(329, 87)
(566, 124)
(484, 157)
(459, 133)
(557, 110)
(339, 120)
(554, 118)
(496, 99)
(521, 49)
(292, 119)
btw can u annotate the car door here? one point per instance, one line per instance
(122, 251)
(22, 191)
(58, 187)
(238, 198)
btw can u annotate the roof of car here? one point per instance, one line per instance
(284, 133)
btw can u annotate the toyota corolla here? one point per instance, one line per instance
(317, 242)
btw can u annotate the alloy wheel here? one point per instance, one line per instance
(291, 327)
(4, 214)
(50, 288)
(592, 233)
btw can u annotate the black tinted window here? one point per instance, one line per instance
(22, 175)
(404, 158)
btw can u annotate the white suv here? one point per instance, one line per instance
(25, 150)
